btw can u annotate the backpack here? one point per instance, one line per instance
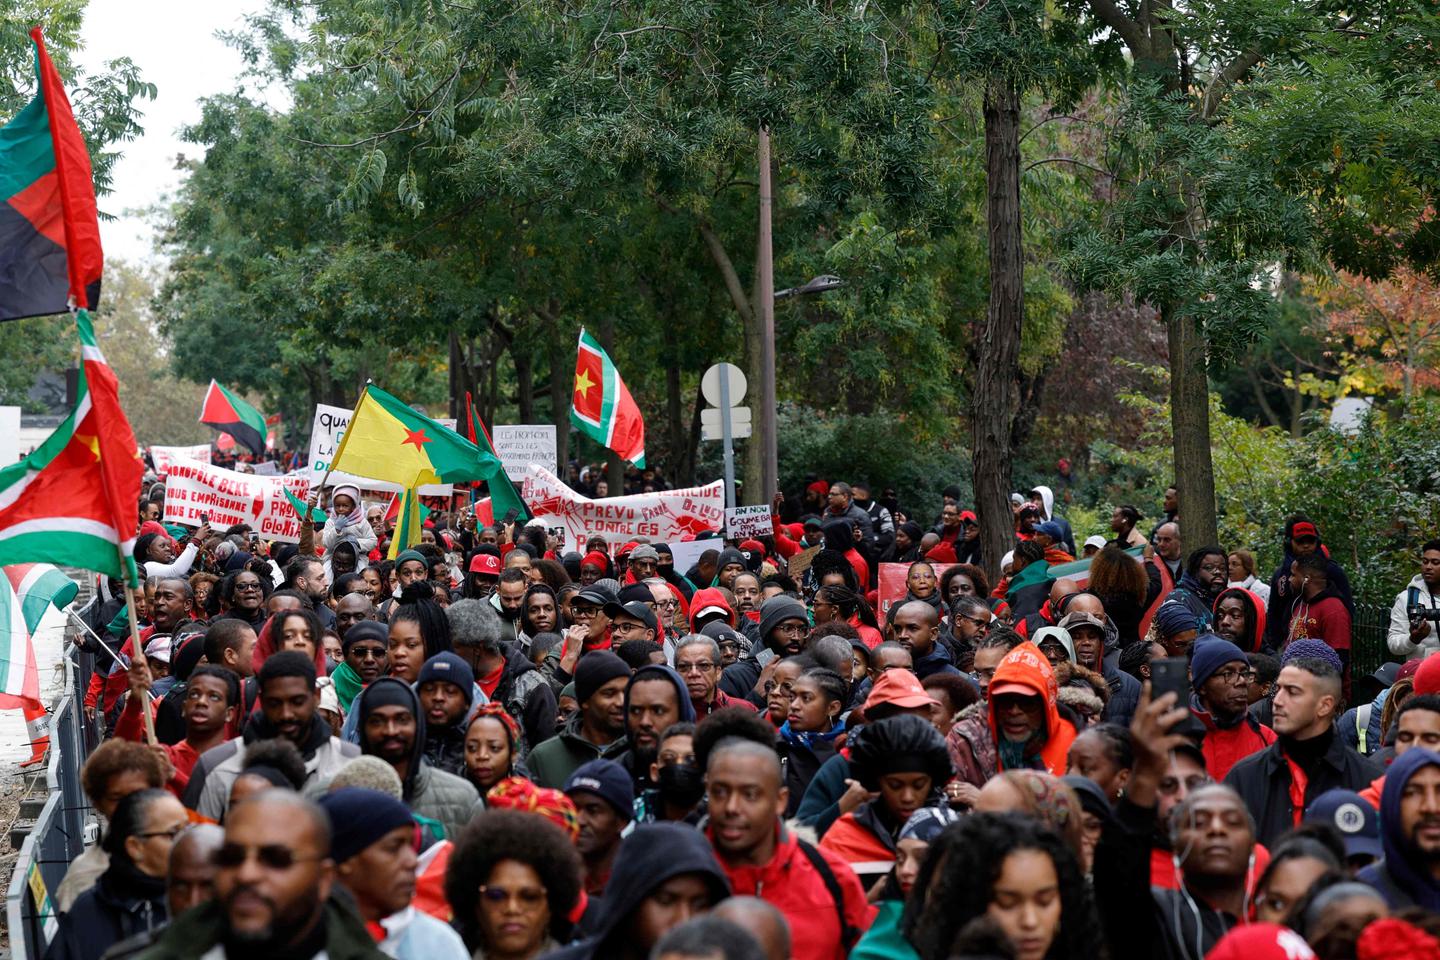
(849, 936)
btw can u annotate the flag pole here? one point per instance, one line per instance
(138, 657)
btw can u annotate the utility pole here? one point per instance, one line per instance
(765, 299)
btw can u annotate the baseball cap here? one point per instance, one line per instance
(898, 688)
(1304, 529)
(1356, 820)
(1387, 673)
(158, 648)
(1096, 541)
(634, 609)
(1051, 529)
(1079, 618)
(596, 594)
(486, 563)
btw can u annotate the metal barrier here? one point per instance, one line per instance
(1368, 645)
(58, 836)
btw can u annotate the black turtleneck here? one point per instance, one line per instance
(1307, 754)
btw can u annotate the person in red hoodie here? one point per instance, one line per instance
(1220, 681)
(1025, 729)
(1240, 618)
(818, 893)
(1320, 612)
(212, 697)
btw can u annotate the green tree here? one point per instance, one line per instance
(1256, 134)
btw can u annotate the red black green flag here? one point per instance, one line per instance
(225, 411)
(50, 257)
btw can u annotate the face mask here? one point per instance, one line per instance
(682, 784)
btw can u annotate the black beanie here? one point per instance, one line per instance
(595, 670)
(365, 630)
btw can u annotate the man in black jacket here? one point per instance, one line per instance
(1309, 758)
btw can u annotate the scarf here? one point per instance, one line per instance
(491, 680)
(807, 738)
(347, 685)
(1013, 755)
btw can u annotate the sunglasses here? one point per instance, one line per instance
(529, 897)
(272, 856)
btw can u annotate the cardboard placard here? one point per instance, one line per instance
(229, 498)
(746, 523)
(523, 444)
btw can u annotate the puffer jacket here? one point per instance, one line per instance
(528, 698)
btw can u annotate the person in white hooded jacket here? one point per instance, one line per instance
(1416, 637)
(1044, 498)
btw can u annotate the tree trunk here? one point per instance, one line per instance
(524, 378)
(1190, 429)
(692, 445)
(994, 394)
(560, 383)
(674, 418)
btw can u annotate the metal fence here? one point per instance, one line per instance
(58, 836)
(1368, 646)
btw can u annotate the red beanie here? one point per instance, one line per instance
(1261, 941)
(1427, 677)
(596, 559)
(820, 487)
(753, 545)
(1392, 939)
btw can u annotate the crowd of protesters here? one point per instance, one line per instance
(493, 747)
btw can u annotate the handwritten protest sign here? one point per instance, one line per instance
(744, 523)
(227, 498)
(521, 445)
(661, 516)
(162, 457)
(325, 436)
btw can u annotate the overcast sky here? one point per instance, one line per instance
(174, 44)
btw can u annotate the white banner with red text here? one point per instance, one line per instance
(665, 515)
(196, 491)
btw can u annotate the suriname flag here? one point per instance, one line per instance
(602, 407)
(50, 256)
(72, 501)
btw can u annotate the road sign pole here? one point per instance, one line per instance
(726, 440)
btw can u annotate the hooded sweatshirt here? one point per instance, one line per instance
(653, 671)
(1027, 667)
(1402, 877)
(654, 854)
(1283, 600)
(1256, 640)
(1047, 502)
(1398, 636)
(426, 790)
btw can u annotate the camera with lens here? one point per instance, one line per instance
(1416, 611)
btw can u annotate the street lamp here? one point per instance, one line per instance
(821, 284)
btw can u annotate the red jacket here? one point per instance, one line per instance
(792, 884)
(1223, 748)
(721, 701)
(182, 756)
(858, 846)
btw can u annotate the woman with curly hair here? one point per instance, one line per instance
(1014, 872)
(904, 760)
(513, 882)
(1123, 587)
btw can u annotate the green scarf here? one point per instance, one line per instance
(1013, 755)
(347, 685)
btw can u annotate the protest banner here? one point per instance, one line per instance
(891, 585)
(162, 457)
(663, 515)
(227, 498)
(325, 434)
(521, 445)
(746, 523)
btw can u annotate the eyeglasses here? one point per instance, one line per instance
(1234, 675)
(704, 666)
(582, 612)
(247, 586)
(530, 897)
(1171, 785)
(793, 629)
(975, 620)
(271, 856)
(170, 834)
(670, 604)
(786, 687)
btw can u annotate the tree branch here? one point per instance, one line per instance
(1128, 29)
(1233, 71)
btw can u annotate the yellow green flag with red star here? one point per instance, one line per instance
(388, 440)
